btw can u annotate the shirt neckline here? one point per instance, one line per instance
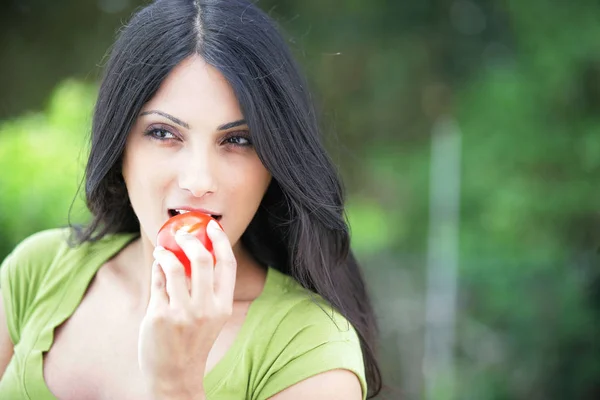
(35, 385)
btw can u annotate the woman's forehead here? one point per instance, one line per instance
(196, 93)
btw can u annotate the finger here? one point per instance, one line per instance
(226, 267)
(174, 277)
(158, 290)
(201, 263)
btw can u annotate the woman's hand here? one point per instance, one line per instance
(185, 316)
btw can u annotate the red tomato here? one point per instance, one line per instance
(195, 223)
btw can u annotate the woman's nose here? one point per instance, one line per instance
(197, 174)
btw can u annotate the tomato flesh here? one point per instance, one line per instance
(193, 222)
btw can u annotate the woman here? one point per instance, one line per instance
(201, 108)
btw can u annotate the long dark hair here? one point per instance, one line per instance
(300, 227)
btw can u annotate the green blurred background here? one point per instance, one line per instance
(468, 135)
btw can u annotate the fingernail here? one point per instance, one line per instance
(157, 250)
(212, 225)
(182, 230)
(183, 234)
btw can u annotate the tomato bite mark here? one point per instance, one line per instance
(193, 222)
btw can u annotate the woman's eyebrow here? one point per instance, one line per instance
(223, 127)
(233, 124)
(168, 116)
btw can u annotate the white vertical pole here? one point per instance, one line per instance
(442, 260)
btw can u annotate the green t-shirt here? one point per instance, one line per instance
(286, 337)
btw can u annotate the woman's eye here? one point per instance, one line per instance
(238, 141)
(159, 134)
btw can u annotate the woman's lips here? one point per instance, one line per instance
(176, 211)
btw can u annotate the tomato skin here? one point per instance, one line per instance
(195, 223)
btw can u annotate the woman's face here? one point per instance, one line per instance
(190, 149)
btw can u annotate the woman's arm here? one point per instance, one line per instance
(6, 344)
(337, 384)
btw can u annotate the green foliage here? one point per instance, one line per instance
(529, 215)
(41, 158)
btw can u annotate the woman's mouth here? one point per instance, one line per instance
(173, 212)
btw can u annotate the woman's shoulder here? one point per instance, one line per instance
(42, 242)
(36, 274)
(300, 335)
(50, 251)
(24, 272)
(293, 309)
(48, 244)
(38, 246)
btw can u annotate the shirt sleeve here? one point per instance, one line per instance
(21, 273)
(310, 341)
